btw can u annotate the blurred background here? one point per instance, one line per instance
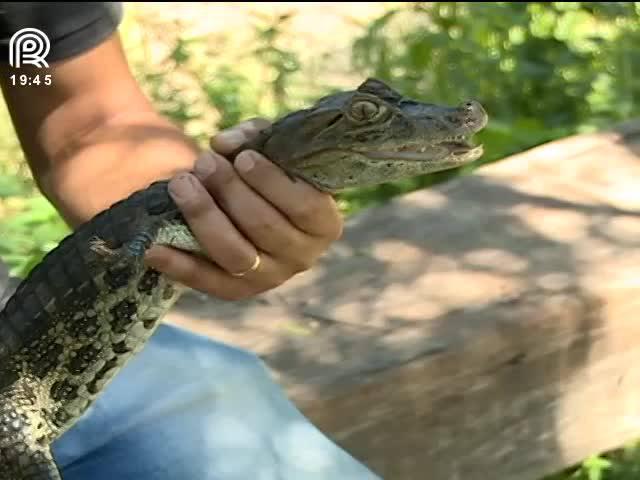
(543, 71)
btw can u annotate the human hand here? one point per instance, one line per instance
(238, 211)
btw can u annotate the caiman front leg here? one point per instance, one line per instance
(132, 252)
(135, 248)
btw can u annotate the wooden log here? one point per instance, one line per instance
(484, 329)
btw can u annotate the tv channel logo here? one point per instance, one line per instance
(29, 46)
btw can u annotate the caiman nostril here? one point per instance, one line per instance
(474, 113)
(472, 105)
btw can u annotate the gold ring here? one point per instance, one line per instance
(255, 266)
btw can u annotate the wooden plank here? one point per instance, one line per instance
(483, 329)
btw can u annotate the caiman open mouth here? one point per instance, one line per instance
(460, 146)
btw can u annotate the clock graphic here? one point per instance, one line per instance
(25, 80)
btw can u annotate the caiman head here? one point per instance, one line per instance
(370, 136)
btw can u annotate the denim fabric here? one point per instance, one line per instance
(188, 408)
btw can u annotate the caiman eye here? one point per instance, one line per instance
(366, 111)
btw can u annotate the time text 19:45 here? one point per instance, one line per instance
(30, 80)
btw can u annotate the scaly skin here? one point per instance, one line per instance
(370, 136)
(92, 304)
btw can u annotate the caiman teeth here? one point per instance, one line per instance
(458, 143)
(457, 138)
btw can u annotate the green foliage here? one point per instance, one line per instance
(27, 235)
(622, 464)
(542, 70)
(12, 185)
(198, 82)
(595, 468)
(226, 92)
(282, 62)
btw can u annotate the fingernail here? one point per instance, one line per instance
(182, 187)
(205, 165)
(232, 138)
(245, 162)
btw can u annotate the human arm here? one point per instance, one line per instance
(92, 137)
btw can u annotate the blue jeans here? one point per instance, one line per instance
(188, 408)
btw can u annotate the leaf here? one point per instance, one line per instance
(10, 186)
(595, 467)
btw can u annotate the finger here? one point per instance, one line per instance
(220, 240)
(200, 274)
(312, 211)
(262, 224)
(229, 140)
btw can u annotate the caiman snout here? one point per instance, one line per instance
(474, 115)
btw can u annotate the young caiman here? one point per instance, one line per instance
(91, 304)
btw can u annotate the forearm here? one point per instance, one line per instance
(120, 156)
(91, 137)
